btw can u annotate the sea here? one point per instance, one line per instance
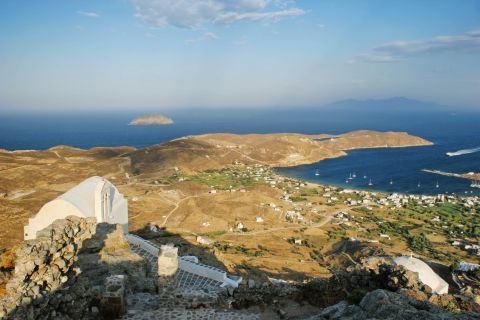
(388, 169)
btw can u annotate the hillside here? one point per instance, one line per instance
(214, 151)
(32, 178)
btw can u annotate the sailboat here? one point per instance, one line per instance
(437, 185)
(391, 181)
(354, 175)
(475, 184)
(350, 176)
(418, 185)
(317, 173)
(370, 183)
(364, 176)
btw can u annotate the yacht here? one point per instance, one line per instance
(370, 182)
(350, 176)
(317, 173)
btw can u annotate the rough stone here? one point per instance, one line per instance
(167, 260)
(113, 301)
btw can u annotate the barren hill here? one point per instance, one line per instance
(214, 151)
(30, 178)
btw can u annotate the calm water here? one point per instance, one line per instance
(449, 132)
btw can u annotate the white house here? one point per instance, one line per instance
(425, 273)
(94, 197)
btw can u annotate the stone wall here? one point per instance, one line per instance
(62, 273)
(43, 269)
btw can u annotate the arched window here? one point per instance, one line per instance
(105, 203)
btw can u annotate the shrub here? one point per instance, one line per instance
(419, 243)
(7, 259)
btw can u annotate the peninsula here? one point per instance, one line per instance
(470, 175)
(151, 120)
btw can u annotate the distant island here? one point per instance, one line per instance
(151, 120)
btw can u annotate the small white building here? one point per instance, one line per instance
(425, 273)
(95, 197)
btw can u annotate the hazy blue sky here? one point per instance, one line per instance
(159, 54)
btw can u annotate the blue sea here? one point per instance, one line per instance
(391, 170)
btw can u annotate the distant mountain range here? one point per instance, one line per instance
(391, 104)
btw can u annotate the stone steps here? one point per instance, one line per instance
(188, 314)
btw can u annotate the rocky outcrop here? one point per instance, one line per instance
(381, 273)
(44, 267)
(157, 119)
(62, 273)
(383, 304)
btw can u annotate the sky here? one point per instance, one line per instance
(164, 54)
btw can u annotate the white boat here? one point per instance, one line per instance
(419, 185)
(370, 182)
(365, 176)
(462, 152)
(475, 184)
(437, 185)
(350, 177)
(354, 175)
(391, 181)
(317, 173)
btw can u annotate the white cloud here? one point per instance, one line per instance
(210, 35)
(206, 36)
(377, 58)
(231, 17)
(468, 42)
(89, 14)
(193, 14)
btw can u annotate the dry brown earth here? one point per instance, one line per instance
(29, 179)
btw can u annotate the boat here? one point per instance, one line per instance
(462, 152)
(364, 176)
(350, 177)
(354, 175)
(391, 181)
(475, 184)
(370, 182)
(437, 185)
(418, 185)
(317, 173)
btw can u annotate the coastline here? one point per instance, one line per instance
(473, 176)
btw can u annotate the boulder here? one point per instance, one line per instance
(383, 304)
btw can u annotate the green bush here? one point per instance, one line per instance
(419, 243)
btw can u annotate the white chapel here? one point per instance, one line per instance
(94, 197)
